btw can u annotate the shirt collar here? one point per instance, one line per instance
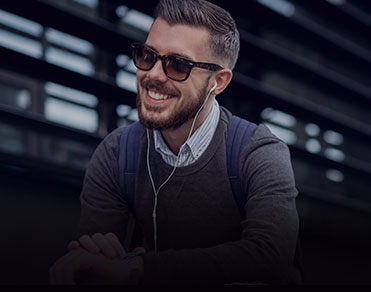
(198, 142)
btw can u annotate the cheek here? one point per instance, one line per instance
(191, 93)
(140, 77)
(190, 88)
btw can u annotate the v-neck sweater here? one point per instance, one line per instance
(201, 236)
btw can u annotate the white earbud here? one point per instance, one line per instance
(213, 88)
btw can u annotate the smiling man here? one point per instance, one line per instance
(191, 228)
(171, 105)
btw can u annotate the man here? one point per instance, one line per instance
(192, 231)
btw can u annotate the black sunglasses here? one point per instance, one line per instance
(176, 68)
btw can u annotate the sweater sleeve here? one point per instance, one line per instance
(272, 221)
(265, 252)
(102, 206)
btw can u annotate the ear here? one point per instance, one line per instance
(223, 78)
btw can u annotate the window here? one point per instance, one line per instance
(71, 107)
(13, 96)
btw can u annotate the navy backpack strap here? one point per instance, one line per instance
(128, 161)
(239, 132)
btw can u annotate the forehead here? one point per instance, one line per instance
(184, 40)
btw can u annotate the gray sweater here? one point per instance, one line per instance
(201, 236)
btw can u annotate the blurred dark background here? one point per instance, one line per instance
(67, 79)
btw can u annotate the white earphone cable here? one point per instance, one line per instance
(156, 192)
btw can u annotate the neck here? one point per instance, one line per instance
(175, 138)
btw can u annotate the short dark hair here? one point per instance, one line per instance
(225, 38)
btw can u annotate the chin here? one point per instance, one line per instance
(168, 123)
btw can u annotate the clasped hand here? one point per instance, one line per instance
(97, 259)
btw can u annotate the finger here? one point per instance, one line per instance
(116, 244)
(139, 250)
(73, 245)
(89, 244)
(104, 245)
(64, 270)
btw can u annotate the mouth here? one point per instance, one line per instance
(158, 95)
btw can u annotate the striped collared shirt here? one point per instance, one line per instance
(196, 145)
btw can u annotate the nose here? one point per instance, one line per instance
(157, 72)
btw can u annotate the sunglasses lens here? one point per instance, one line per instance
(143, 58)
(176, 68)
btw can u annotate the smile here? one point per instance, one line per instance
(158, 96)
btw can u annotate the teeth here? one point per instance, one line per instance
(158, 96)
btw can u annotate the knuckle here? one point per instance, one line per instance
(73, 244)
(84, 237)
(110, 235)
(97, 235)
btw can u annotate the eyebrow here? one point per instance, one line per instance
(173, 54)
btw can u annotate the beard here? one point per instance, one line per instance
(178, 117)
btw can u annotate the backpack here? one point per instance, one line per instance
(239, 132)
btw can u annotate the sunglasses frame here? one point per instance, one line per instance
(190, 64)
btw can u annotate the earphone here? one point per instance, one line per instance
(156, 192)
(212, 89)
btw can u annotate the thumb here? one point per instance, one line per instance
(139, 250)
